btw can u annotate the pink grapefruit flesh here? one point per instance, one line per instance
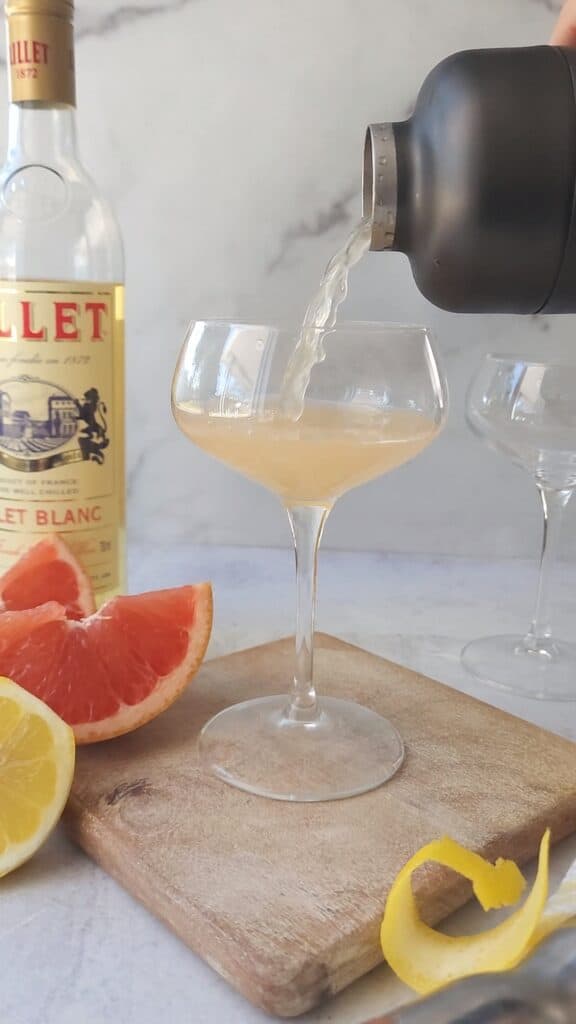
(117, 669)
(48, 571)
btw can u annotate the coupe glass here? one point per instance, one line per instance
(374, 401)
(528, 411)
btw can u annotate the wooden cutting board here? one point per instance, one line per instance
(284, 900)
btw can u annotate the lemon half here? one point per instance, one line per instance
(37, 753)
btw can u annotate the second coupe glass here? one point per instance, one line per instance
(527, 411)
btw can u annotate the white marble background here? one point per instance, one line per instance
(228, 134)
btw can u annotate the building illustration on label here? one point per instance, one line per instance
(38, 417)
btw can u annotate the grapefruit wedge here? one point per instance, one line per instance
(48, 571)
(115, 670)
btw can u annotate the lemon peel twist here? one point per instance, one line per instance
(427, 960)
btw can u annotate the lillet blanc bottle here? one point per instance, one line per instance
(61, 316)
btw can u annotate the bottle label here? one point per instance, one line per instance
(61, 421)
(41, 55)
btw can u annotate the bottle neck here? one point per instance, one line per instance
(41, 133)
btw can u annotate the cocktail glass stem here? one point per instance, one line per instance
(554, 501)
(307, 523)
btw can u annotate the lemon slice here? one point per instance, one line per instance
(36, 769)
(426, 959)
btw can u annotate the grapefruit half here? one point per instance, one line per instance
(116, 670)
(48, 571)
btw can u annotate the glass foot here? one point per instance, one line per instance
(509, 663)
(348, 749)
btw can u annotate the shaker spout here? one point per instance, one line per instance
(380, 185)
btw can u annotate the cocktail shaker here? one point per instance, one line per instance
(477, 187)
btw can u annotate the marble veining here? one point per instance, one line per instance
(89, 23)
(121, 15)
(229, 138)
(336, 214)
(551, 5)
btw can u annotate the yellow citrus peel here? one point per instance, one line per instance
(427, 960)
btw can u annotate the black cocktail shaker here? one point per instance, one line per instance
(477, 188)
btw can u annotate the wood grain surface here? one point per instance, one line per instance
(285, 900)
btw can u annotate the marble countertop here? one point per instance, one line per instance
(76, 948)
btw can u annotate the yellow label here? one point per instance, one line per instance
(41, 56)
(61, 421)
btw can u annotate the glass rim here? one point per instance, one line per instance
(372, 325)
(510, 357)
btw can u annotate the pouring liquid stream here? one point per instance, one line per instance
(319, 317)
(311, 452)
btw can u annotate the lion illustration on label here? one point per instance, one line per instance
(38, 417)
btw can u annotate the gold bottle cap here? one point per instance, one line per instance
(41, 51)
(56, 8)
